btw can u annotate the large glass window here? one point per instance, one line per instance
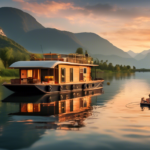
(62, 107)
(63, 74)
(81, 102)
(29, 73)
(85, 70)
(71, 105)
(71, 74)
(81, 74)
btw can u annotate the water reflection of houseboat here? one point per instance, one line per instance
(73, 107)
(37, 113)
(54, 73)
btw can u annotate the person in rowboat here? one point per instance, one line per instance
(149, 99)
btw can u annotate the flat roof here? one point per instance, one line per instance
(44, 64)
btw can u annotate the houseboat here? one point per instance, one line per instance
(54, 73)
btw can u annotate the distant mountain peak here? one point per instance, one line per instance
(131, 53)
(99, 45)
(16, 22)
(1, 32)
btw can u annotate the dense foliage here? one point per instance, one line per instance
(9, 72)
(104, 65)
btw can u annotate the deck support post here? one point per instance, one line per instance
(95, 72)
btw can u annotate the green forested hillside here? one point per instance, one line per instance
(6, 42)
(10, 52)
(1, 65)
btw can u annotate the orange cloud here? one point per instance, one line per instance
(124, 27)
(47, 9)
(137, 39)
(21, 1)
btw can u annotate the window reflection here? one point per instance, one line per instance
(30, 107)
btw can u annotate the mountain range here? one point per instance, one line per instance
(26, 31)
(138, 56)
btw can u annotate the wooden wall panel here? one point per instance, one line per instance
(88, 73)
(67, 106)
(76, 74)
(76, 104)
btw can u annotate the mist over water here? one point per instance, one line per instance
(113, 121)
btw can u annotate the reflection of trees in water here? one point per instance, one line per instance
(117, 75)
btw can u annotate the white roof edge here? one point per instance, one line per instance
(43, 64)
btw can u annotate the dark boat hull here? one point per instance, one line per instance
(39, 88)
(46, 98)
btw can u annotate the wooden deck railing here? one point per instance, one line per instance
(73, 60)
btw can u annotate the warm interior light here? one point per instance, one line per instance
(29, 73)
(30, 107)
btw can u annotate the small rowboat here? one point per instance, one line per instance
(145, 102)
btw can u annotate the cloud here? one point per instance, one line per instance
(47, 9)
(69, 9)
(21, 1)
(126, 38)
(123, 26)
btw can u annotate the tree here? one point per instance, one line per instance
(121, 67)
(86, 52)
(104, 66)
(134, 68)
(128, 67)
(117, 68)
(79, 50)
(110, 66)
(5, 55)
(124, 67)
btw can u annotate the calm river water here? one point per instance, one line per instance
(111, 121)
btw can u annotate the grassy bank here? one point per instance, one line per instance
(9, 73)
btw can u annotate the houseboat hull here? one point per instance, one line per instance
(51, 88)
(46, 98)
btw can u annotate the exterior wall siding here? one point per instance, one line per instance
(75, 73)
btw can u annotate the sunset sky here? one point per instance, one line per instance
(125, 23)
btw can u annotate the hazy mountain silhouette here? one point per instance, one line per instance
(145, 52)
(138, 56)
(52, 40)
(132, 54)
(142, 55)
(144, 63)
(25, 30)
(98, 45)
